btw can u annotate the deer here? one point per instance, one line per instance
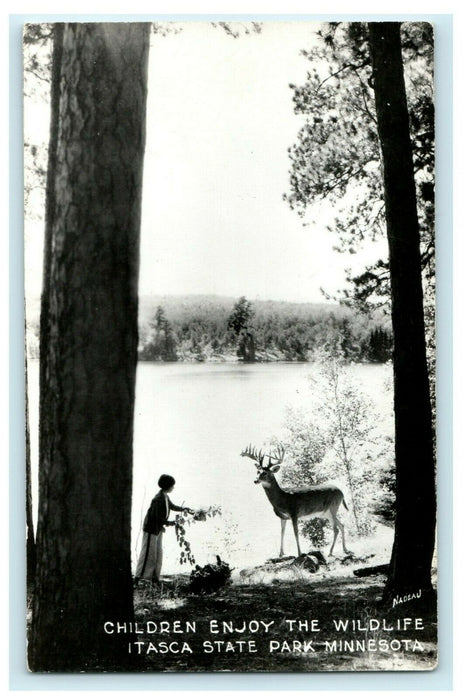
(305, 502)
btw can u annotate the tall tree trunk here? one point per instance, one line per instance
(30, 538)
(88, 346)
(410, 568)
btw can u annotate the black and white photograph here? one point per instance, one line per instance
(230, 346)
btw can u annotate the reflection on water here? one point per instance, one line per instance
(192, 421)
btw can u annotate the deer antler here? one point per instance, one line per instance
(252, 453)
(279, 456)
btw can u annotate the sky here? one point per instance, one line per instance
(219, 122)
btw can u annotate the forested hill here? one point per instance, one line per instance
(182, 308)
(196, 328)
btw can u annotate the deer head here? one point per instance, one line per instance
(265, 472)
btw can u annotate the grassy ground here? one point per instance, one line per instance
(298, 609)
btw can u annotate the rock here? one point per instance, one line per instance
(307, 561)
(319, 556)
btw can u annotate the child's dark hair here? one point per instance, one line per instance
(166, 481)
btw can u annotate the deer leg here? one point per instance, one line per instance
(283, 529)
(342, 531)
(295, 526)
(336, 529)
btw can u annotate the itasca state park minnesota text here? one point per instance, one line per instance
(288, 636)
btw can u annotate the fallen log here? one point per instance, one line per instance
(372, 570)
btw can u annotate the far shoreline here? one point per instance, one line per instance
(236, 361)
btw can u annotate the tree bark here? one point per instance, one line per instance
(410, 567)
(30, 537)
(88, 346)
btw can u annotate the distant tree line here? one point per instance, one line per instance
(263, 333)
(253, 331)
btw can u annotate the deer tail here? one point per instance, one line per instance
(344, 503)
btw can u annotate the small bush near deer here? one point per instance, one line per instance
(209, 578)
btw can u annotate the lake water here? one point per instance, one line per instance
(193, 421)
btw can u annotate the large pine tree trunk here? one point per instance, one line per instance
(410, 568)
(30, 538)
(88, 345)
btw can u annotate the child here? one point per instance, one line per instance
(150, 559)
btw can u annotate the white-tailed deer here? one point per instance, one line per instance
(306, 502)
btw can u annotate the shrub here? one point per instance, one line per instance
(209, 578)
(315, 531)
